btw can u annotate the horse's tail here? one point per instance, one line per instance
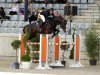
(24, 29)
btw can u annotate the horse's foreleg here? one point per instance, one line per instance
(53, 34)
(57, 31)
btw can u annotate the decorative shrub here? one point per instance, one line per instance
(92, 44)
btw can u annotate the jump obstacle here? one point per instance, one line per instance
(43, 53)
(77, 52)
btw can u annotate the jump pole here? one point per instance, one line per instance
(22, 49)
(79, 52)
(40, 55)
(59, 61)
(55, 56)
(19, 51)
(46, 65)
(43, 39)
(56, 51)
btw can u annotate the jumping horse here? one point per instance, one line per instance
(49, 27)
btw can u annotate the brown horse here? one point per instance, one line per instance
(49, 27)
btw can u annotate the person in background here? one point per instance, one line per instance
(61, 1)
(29, 1)
(3, 14)
(14, 10)
(22, 1)
(19, 1)
(29, 9)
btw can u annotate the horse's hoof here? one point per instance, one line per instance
(53, 36)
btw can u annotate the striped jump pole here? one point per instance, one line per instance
(22, 45)
(57, 52)
(40, 54)
(77, 47)
(47, 43)
(22, 48)
(77, 52)
(44, 42)
(43, 53)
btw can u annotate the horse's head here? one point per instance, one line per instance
(62, 22)
(30, 31)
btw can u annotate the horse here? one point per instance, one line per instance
(49, 27)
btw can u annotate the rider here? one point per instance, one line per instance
(51, 14)
(48, 13)
(40, 20)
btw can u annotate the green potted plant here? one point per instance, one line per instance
(16, 44)
(63, 47)
(92, 44)
(26, 64)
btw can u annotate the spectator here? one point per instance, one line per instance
(29, 1)
(61, 1)
(19, 1)
(14, 9)
(2, 14)
(29, 9)
(22, 1)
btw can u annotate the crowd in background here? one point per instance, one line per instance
(32, 12)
